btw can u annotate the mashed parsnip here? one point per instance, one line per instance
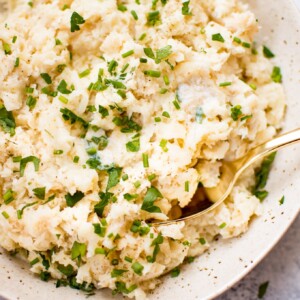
(111, 114)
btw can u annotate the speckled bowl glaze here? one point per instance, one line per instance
(229, 260)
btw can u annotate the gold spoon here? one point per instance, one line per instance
(231, 171)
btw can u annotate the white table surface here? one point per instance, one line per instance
(281, 268)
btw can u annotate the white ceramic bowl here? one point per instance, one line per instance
(227, 261)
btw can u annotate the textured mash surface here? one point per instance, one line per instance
(117, 140)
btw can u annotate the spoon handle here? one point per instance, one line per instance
(269, 147)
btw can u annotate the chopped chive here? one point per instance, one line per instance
(46, 77)
(100, 251)
(6, 48)
(8, 196)
(58, 152)
(281, 201)
(253, 86)
(122, 8)
(112, 66)
(227, 83)
(163, 144)
(237, 40)
(58, 42)
(122, 94)
(76, 159)
(63, 99)
(175, 272)
(152, 73)
(145, 160)
(137, 184)
(157, 119)
(134, 14)
(34, 261)
(166, 80)
(14, 39)
(217, 37)
(17, 62)
(84, 73)
(143, 60)
(91, 151)
(176, 104)
(17, 159)
(124, 68)
(163, 91)
(187, 186)
(128, 53)
(5, 214)
(246, 45)
(151, 177)
(276, 75)
(137, 268)
(128, 259)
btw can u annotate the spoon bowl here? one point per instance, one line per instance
(231, 170)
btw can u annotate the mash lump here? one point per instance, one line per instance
(111, 114)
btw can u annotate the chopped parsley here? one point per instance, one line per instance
(153, 18)
(236, 112)
(68, 115)
(63, 88)
(137, 268)
(40, 192)
(31, 102)
(161, 54)
(113, 177)
(100, 206)
(71, 200)
(151, 196)
(24, 161)
(75, 21)
(217, 37)
(281, 201)
(78, 250)
(46, 77)
(133, 146)
(262, 289)
(276, 75)
(66, 270)
(175, 272)
(267, 52)
(7, 121)
(185, 10)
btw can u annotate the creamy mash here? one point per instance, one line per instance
(111, 114)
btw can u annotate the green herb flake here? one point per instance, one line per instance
(176, 104)
(6, 48)
(152, 73)
(223, 225)
(281, 201)
(185, 10)
(47, 91)
(134, 14)
(63, 88)
(40, 192)
(267, 52)
(7, 121)
(175, 272)
(31, 102)
(153, 18)
(187, 186)
(151, 196)
(21, 211)
(63, 99)
(113, 177)
(276, 75)
(100, 251)
(137, 268)
(236, 112)
(262, 289)
(128, 53)
(58, 152)
(68, 115)
(99, 229)
(261, 195)
(17, 62)
(66, 270)
(26, 160)
(217, 37)
(78, 250)
(76, 159)
(224, 84)
(5, 215)
(145, 160)
(202, 241)
(133, 146)
(237, 40)
(46, 77)
(71, 200)
(117, 273)
(8, 196)
(75, 21)
(84, 73)
(142, 37)
(121, 288)
(166, 114)
(122, 7)
(34, 261)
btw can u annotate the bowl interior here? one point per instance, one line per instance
(227, 261)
